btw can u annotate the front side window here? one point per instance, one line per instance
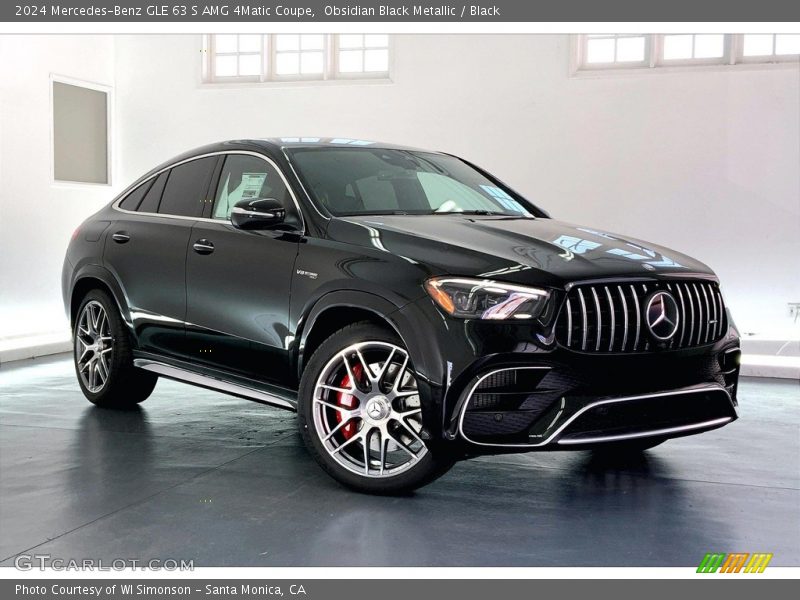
(187, 184)
(351, 181)
(246, 177)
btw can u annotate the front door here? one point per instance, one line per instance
(238, 281)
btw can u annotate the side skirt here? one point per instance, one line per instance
(220, 382)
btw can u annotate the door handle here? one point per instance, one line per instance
(121, 237)
(203, 246)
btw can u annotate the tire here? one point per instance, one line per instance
(629, 447)
(367, 439)
(103, 358)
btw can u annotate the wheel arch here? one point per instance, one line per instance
(338, 309)
(97, 277)
(341, 308)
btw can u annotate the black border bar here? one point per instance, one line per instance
(371, 11)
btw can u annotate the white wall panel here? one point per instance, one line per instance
(705, 160)
(37, 214)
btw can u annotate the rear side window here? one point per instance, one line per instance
(151, 199)
(134, 199)
(185, 192)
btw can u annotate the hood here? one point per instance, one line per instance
(512, 249)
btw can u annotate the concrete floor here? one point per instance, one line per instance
(198, 475)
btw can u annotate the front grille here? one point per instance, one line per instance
(610, 317)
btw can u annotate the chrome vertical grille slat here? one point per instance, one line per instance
(598, 315)
(672, 341)
(613, 320)
(584, 323)
(625, 317)
(569, 323)
(644, 295)
(708, 314)
(617, 311)
(683, 314)
(699, 314)
(716, 318)
(638, 317)
(691, 311)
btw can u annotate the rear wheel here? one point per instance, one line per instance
(360, 413)
(103, 359)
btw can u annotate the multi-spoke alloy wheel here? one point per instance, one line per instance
(94, 346)
(103, 355)
(367, 410)
(362, 413)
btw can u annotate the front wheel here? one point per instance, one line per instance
(360, 413)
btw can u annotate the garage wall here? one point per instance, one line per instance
(705, 161)
(37, 216)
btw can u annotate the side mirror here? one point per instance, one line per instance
(261, 213)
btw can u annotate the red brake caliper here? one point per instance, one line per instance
(349, 402)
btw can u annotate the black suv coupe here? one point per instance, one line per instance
(412, 308)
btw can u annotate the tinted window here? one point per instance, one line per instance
(134, 199)
(185, 192)
(351, 181)
(373, 193)
(246, 177)
(153, 196)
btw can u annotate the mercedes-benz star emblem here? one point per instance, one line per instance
(377, 408)
(662, 315)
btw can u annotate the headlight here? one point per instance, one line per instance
(486, 299)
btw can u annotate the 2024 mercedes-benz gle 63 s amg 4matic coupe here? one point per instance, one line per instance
(412, 308)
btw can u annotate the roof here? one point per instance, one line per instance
(271, 146)
(316, 142)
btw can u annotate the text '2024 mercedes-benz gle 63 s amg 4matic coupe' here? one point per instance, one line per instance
(412, 308)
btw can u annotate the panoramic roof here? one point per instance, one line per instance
(299, 142)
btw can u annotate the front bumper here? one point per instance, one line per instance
(551, 404)
(573, 422)
(512, 388)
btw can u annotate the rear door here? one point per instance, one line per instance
(238, 281)
(147, 251)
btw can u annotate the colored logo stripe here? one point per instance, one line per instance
(710, 563)
(758, 562)
(736, 562)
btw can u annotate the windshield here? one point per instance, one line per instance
(370, 181)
